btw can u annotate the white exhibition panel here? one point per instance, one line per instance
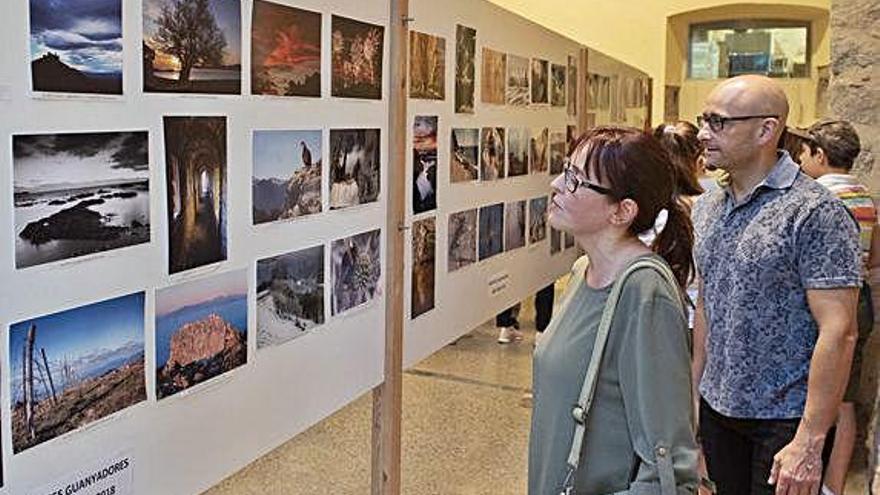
(462, 298)
(186, 443)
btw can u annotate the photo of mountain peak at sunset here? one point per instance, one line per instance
(285, 51)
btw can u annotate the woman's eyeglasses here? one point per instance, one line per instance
(573, 182)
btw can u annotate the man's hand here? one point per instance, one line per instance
(797, 468)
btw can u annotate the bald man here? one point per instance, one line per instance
(774, 328)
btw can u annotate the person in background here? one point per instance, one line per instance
(639, 431)
(508, 323)
(792, 142)
(827, 153)
(774, 326)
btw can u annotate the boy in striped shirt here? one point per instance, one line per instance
(830, 147)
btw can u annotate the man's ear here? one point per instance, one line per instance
(626, 212)
(767, 131)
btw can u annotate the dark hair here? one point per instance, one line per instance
(792, 143)
(838, 139)
(684, 149)
(634, 165)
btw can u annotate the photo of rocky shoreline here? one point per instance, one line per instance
(78, 194)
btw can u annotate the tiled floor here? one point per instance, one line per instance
(465, 431)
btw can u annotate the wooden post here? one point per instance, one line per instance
(28, 370)
(649, 120)
(583, 94)
(388, 396)
(49, 375)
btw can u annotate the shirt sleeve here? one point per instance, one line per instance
(827, 247)
(655, 381)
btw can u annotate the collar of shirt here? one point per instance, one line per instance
(781, 176)
(831, 180)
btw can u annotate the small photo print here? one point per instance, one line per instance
(424, 181)
(492, 153)
(355, 270)
(464, 155)
(491, 230)
(514, 225)
(354, 167)
(356, 60)
(537, 219)
(462, 239)
(423, 266)
(286, 183)
(290, 295)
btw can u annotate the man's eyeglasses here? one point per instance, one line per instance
(716, 122)
(573, 182)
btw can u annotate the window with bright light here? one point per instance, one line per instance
(725, 49)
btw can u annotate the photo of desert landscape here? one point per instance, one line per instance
(74, 367)
(464, 155)
(201, 331)
(192, 46)
(78, 194)
(290, 295)
(494, 72)
(285, 50)
(76, 46)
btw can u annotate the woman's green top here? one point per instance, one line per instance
(642, 406)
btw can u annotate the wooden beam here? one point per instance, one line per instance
(583, 94)
(388, 396)
(649, 121)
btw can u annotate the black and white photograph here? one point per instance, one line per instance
(354, 167)
(290, 295)
(79, 193)
(462, 239)
(355, 270)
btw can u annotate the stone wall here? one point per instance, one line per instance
(855, 96)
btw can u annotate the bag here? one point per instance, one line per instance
(582, 408)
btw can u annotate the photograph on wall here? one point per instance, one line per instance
(571, 137)
(74, 367)
(557, 152)
(424, 185)
(201, 331)
(557, 85)
(355, 270)
(354, 167)
(593, 86)
(493, 74)
(462, 239)
(195, 176)
(517, 80)
(604, 93)
(539, 81)
(465, 72)
(76, 46)
(572, 86)
(555, 241)
(192, 46)
(427, 66)
(290, 295)
(79, 194)
(568, 240)
(423, 266)
(286, 181)
(356, 61)
(492, 153)
(517, 151)
(537, 219)
(671, 103)
(464, 155)
(491, 230)
(514, 225)
(538, 150)
(285, 50)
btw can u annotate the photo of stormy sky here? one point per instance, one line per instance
(76, 46)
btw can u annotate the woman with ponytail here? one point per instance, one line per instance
(619, 348)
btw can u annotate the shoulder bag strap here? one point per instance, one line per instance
(581, 409)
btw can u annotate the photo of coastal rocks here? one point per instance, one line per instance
(201, 331)
(79, 193)
(74, 367)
